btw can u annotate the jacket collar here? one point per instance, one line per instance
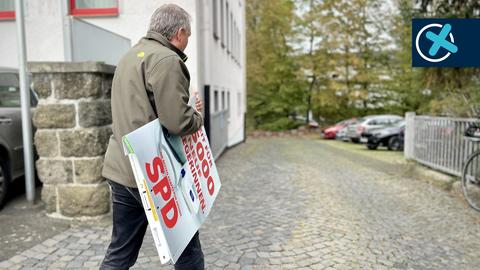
(164, 41)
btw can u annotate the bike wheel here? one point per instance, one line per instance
(471, 180)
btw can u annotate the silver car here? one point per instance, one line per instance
(368, 123)
(11, 145)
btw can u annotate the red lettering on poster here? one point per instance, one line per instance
(210, 186)
(170, 207)
(164, 188)
(192, 164)
(157, 165)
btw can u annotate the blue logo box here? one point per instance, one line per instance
(446, 42)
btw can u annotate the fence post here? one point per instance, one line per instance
(409, 135)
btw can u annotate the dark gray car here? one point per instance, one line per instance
(11, 145)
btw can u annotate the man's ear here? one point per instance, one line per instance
(181, 31)
(176, 36)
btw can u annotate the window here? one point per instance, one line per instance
(231, 33)
(222, 26)
(215, 20)
(7, 9)
(227, 34)
(94, 7)
(235, 40)
(215, 101)
(239, 47)
(223, 100)
(10, 91)
(228, 103)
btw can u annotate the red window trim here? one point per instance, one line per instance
(7, 15)
(92, 11)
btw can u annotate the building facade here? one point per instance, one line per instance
(102, 30)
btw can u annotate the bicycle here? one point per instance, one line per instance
(471, 169)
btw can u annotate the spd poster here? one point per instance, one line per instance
(178, 182)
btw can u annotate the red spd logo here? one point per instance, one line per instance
(170, 210)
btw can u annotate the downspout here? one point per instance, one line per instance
(201, 53)
(67, 31)
(202, 62)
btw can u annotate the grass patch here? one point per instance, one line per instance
(382, 153)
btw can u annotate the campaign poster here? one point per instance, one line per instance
(178, 183)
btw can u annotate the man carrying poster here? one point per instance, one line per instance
(150, 81)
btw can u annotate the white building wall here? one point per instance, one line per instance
(44, 34)
(209, 63)
(8, 44)
(222, 73)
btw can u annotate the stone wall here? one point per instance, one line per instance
(73, 122)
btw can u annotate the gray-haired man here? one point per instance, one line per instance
(150, 81)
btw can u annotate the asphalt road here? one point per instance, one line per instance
(301, 204)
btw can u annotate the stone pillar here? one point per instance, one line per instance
(73, 126)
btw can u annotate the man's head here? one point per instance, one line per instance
(173, 22)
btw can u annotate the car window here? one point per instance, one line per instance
(393, 121)
(9, 90)
(385, 121)
(399, 123)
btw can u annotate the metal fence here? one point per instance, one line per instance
(219, 132)
(438, 142)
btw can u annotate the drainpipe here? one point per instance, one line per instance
(67, 31)
(25, 103)
(201, 53)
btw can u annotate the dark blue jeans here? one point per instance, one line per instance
(129, 226)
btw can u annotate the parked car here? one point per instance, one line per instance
(342, 134)
(368, 123)
(331, 131)
(11, 144)
(391, 137)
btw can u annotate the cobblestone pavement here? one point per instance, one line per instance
(301, 204)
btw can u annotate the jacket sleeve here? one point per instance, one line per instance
(169, 83)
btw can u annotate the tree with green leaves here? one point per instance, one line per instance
(273, 89)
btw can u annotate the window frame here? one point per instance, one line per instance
(215, 101)
(93, 12)
(7, 15)
(222, 23)
(223, 100)
(228, 104)
(215, 19)
(231, 33)
(227, 28)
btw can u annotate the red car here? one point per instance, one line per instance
(331, 131)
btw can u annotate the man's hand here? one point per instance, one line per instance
(198, 102)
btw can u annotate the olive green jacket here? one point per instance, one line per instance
(150, 80)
